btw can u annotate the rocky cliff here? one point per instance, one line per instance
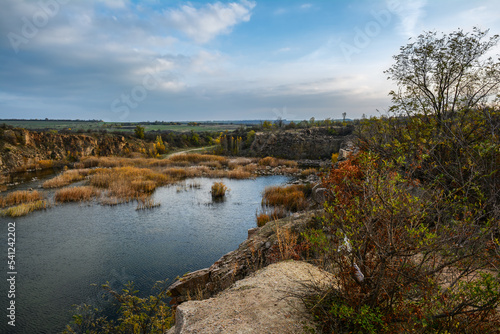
(21, 149)
(312, 143)
(277, 240)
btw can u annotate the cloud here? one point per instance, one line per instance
(409, 14)
(205, 23)
(306, 6)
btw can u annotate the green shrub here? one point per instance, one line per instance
(135, 315)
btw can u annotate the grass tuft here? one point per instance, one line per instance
(218, 190)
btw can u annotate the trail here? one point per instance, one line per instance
(190, 150)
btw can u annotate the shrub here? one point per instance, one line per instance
(135, 315)
(218, 190)
(401, 266)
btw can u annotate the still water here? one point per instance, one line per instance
(61, 252)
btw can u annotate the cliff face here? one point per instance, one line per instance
(22, 149)
(313, 143)
(259, 250)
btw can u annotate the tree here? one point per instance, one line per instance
(139, 132)
(440, 75)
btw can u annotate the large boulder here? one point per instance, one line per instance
(265, 302)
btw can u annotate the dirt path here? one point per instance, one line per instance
(191, 150)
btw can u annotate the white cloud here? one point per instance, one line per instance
(205, 23)
(306, 6)
(409, 13)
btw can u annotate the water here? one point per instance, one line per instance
(62, 251)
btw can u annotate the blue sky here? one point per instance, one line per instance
(133, 60)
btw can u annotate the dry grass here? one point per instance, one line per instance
(147, 203)
(275, 162)
(211, 164)
(218, 190)
(19, 197)
(44, 164)
(239, 174)
(268, 214)
(237, 162)
(308, 171)
(128, 183)
(176, 173)
(196, 158)
(66, 178)
(287, 244)
(76, 194)
(292, 198)
(24, 209)
(263, 219)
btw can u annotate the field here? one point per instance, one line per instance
(73, 126)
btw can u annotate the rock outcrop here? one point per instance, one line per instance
(259, 250)
(312, 143)
(21, 149)
(265, 303)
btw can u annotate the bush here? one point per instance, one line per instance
(400, 265)
(149, 315)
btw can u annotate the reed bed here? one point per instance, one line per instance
(76, 194)
(239, 174)
(147, 203)
(275, 162)
(24, 208)
(218, 190)
(196, 158)
(291, 198)
(20, 197)
(66, 178)
(128, 183)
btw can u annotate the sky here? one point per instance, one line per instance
(147, 60)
